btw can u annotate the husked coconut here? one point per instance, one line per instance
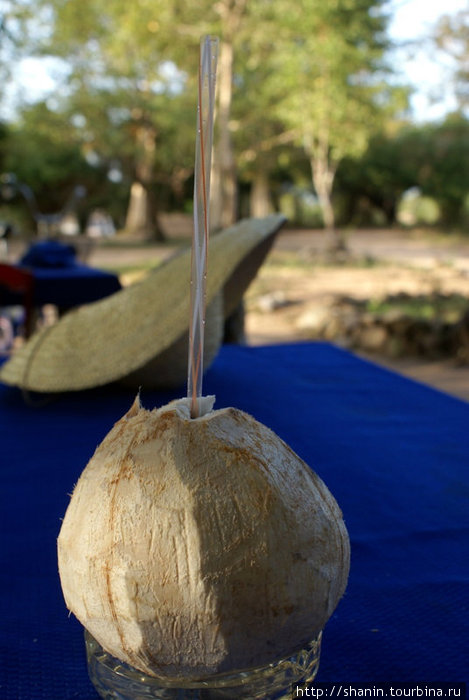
(198, 546)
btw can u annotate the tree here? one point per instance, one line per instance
(127, 47)
(42, 152)
(230, 13)
(232, 21)
(14, 37)
(377, 178)
(300, 74)
(261, 139)
(118, 56)
(452, 36)
(444, 174)
(329, 61)
(433, 157)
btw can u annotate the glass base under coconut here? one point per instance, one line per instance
(115, 680)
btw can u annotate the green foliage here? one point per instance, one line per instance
(444, 171)
(416, 209)
(329, 62)
(37, 152)
(433, 158)
(452, 36)
(311, 96)
(432, 307)
(44, 152)
(328, 56)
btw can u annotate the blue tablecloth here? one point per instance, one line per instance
(66, 287)
(393, 452)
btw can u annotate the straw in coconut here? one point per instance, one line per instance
(203, 158)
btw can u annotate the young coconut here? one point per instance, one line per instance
(197, 546)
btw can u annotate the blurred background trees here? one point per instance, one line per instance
(452, 36)
(309, 117)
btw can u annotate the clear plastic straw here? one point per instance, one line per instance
(203, 158)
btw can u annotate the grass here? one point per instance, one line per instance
(448, 308)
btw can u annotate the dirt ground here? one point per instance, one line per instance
(387, 262)
(295, 282)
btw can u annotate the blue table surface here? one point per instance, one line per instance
(393, 452)
(67, 286)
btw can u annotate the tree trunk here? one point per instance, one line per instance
(323, 173)
(224, 183)
(224, 180)
(260, 202)
(178, 179)
(390, 210)
(141, 215)
(141, 219)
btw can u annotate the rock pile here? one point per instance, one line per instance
(393, 333)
